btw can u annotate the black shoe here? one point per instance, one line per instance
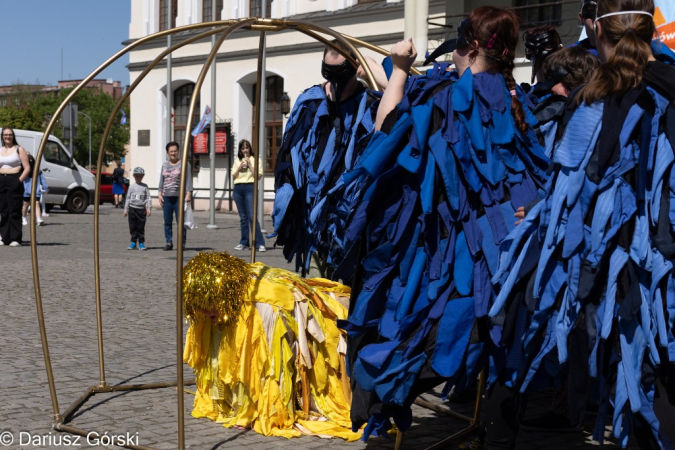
(168, 247)
(550, 421)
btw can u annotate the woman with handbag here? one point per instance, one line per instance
(14, 169)
(169, 186)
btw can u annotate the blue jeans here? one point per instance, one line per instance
(170, 209)
(243, 197)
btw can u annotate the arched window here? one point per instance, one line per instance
(181, 106)
(207, 11)
(274, 121)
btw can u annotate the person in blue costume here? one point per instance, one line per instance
(328, 128)
(454, 157)
(540, 43)
(597, 253)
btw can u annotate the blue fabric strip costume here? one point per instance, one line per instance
(319, 144)
(603, 238)
(440, 189)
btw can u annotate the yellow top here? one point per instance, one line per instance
(245, 175)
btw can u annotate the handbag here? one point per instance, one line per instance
(188, 218)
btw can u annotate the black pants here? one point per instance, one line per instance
(504, 407)
(137, 224)
(11, 202)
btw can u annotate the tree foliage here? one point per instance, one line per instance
(32, 109)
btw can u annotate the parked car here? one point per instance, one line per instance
(106, 195)
(70, 185)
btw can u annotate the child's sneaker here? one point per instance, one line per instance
(141, 246)
(24, 222)
(132, 246)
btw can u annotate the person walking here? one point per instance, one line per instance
(169, 186)
(138, 207)
(41, 187)
(118, 185)
(242, 173)
(14, 169)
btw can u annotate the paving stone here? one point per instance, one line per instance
(138, 312)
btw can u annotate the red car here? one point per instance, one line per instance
(106, 195)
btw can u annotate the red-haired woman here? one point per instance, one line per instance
(454, 158)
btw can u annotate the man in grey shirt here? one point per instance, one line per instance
(137, 207)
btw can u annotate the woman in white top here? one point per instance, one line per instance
(14, 168)
(242, 173)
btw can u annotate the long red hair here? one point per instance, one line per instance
(496, 30)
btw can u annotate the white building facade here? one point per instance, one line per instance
(293, 64)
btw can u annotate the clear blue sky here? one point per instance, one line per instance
(88, 31)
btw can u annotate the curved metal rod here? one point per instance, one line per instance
(376, 49)
(36, 171)
(328, 43)
(370, 79)
(99, 166)
(181, 229)
(260, 79)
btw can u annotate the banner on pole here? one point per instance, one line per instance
(206, 119)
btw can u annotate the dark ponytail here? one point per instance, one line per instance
(630, 36)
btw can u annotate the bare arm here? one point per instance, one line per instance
(403, 54)
(378, 73)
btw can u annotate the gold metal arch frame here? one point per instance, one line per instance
(225, 28)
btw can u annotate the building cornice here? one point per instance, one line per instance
(333, 19)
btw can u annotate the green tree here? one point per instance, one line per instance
(32, 109)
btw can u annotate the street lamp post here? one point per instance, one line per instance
(80, 112)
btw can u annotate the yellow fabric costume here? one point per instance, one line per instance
(277, 364)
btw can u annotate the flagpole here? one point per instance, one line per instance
(212, 140)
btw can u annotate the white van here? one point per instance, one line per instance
(71, 186)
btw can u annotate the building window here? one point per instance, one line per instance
(274, 121)
(255, 8)
(533, 13)
(181, 106)
(163, 8)
(207, 11)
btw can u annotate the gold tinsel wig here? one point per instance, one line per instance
(215, 281)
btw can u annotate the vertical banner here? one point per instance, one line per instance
(664, 18)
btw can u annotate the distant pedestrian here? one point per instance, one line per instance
(169, 186)
(242, 171)
(41, 187)
(137, 207)
(14, 169)
(118, 185)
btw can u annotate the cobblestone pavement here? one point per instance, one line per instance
(138, 325)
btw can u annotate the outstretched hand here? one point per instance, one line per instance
(403, 55)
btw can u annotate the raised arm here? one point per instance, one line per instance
(378, 72)
(403, 55)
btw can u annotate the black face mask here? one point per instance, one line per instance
(539, 46)
(461, 41)
(338, 74)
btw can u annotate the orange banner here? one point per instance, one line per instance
(664, 18)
